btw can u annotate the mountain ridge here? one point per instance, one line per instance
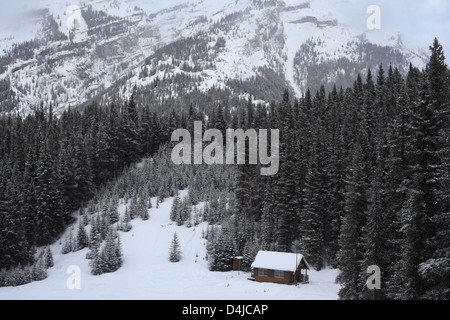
(113, 42)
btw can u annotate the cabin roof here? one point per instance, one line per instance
(281, 261)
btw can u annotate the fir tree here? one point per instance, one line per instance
(110, 255)
(250, 251)
(49, 258)
(69, 243)
(222, 253)
(312, 227)
(435, 271)
(175, 251)
(351, 238)
(82, 238)
(96, 260)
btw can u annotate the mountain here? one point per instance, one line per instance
(105, 50)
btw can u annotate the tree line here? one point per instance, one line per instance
(363, 179)
(50, 166)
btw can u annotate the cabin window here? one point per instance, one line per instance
(279, 274)
(263, 272)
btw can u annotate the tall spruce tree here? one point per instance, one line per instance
(351, 237)
(285, 207)
(435, 269)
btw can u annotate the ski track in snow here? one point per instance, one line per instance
(147, 274)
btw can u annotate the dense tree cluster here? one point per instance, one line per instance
(363, 180)
(49, 166)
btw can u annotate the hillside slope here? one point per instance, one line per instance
(147, 273)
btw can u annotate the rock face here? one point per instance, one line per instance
(248, 46)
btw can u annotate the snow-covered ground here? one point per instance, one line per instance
(147, 273)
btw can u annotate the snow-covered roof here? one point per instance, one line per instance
(278, 261)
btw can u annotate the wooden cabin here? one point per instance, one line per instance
(280, 267)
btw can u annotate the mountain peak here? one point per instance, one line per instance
(72, 55)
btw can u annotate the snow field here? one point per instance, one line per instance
(147, 274)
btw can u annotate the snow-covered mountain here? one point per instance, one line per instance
(69, 54)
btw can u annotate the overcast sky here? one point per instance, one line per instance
(418, 20)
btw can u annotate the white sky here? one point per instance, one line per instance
(419, 21)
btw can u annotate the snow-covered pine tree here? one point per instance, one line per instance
(285, 204)
(113, 213)
(185, 209)
(134, 208)
(39, 270)
(351, 237)
(84, 217)
(49, 219)
(49, 258)
(96, 260)
(175, 251)
(12, 233)
(312, 222)
(197, 216)
(251, 249)
(94, 234)
(143, 209)
(222, 253)
(267, 223)
(110, 255)
(69, 242)
(436, 269)
(125, 225)
(375, 232)
(82, 238)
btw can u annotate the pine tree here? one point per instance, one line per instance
(125, 223)
(420, 208)
(130, 133)
(110, 255)
(312, 222)
(82, 238)
(175, 251)
(285, 206)
(143, 208)
(96, 260)
(39, 271)
(249, 253)
(267, 225)
(49, 258)
(423, 240)
(435, 271)
(351, 238)
(69, 243)
(113, 213)
(13, 244)
(222, 253)
(50, 215)
(375, 238)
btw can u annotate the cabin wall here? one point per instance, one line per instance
(288, 277)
